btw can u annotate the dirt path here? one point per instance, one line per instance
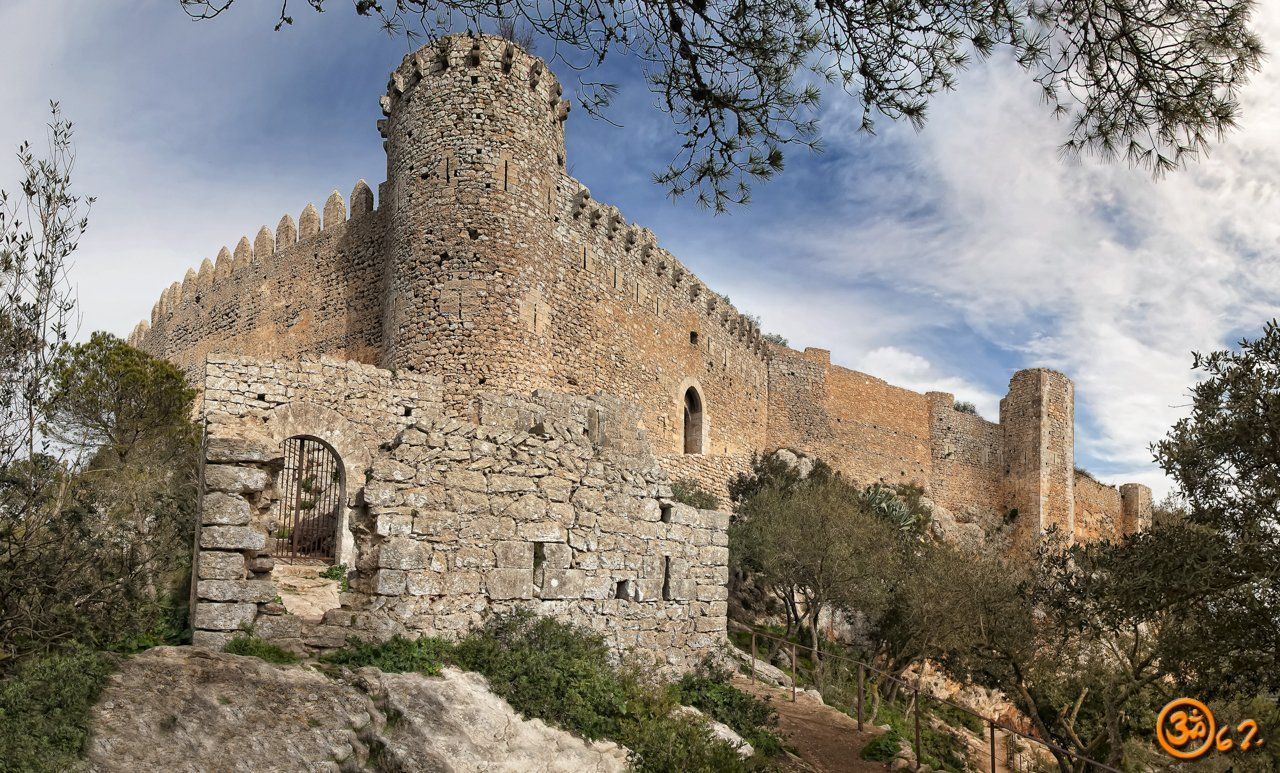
(826, 740)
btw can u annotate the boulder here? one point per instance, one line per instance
(720, 730)
(183, 709)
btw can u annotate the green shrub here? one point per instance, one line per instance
(564, 675)
(248, 644)
(964, 406)
(425, 656)
(44, 710)
(959, 718)
(335, 572)
(709, 690)
(691, 493)
(883, 747)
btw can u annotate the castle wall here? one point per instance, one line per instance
(1098, 512)
(967, 458)
(862, 426)
(310, 289)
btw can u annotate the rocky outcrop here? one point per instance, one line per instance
(184, 709)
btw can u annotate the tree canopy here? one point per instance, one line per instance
(1153, 83)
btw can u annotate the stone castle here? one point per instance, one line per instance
(509, 375)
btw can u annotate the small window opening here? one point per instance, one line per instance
(481, 381)
(539, 555)
(622, 590)
(473, 233)
(475, 79)
(448, 171)
(665, 508)
(506, 175)
(262, 396)
(692, 421)
(666, 578)
(408, 411)
(693, 337)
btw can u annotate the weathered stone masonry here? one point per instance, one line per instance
(550, 501)
(485, 269)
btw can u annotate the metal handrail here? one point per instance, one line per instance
(863, 668)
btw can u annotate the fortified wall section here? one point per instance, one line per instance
(1098, 511)
(863, 426)
(309, 289)
(968, 458)
(548, 502)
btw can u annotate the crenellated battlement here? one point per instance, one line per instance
(466, 55)
(640, 256)
(228, 265)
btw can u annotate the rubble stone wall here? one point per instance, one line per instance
(548, 502)
(862, 426)
(1098, 511)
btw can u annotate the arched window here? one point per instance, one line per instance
(311, 493)
(692, 421)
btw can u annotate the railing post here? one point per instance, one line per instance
(860, 683)
(753, 657)
(993, 745)
(917, 712)
(795, 673)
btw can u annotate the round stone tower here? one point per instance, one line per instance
(475, 147)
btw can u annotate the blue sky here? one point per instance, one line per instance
(941, 259)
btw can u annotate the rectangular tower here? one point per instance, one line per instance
(1037, 418)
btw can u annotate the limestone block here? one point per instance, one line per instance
(218, 509)
(219, 565)
(212, 640)
(649, 589)
(712, 592)
(278, 627)
(389, 469)
(514, 555)
(240, 449)
(234, 479)
(589, 499)
(231, 616)
(232, 538)
(681, 590)
(542, 531)
(464, 480)
(389, 582)
(381, 494)
(500, 484)
(556, 489)
(501, 584)
(556, 555)
(261, 564)
(402, 553)
(529, 507)
(682, 513)
(562, 583)
(393, 524)
(236, 590)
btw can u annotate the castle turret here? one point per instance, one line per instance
(1135, 508)
(475, 145)
(1037, 418)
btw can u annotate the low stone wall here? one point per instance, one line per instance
(547, 502)
(551, 503)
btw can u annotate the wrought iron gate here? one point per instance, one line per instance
(310, 501)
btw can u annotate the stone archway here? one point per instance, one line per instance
(691, 407)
